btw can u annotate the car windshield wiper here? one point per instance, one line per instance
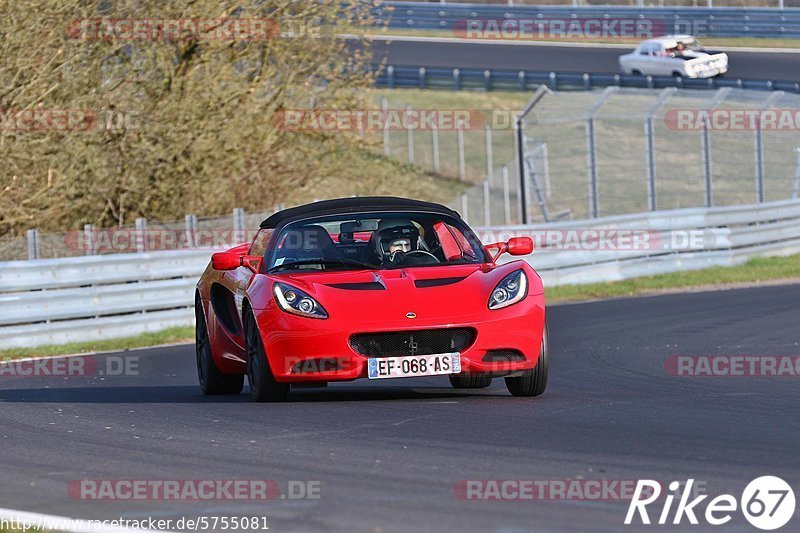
(323, 262)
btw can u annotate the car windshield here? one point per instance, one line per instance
(691, 44)
(374, 241)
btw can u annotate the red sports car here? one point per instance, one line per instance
(374, 288)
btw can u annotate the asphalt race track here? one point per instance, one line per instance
(539, 57)
(388, 454)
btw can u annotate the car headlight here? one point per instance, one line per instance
(512, 289)
(293, 300)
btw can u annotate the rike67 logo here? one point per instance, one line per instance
(767, 503)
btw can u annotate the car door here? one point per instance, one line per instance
(637, 60)
(645, 59)
(227, 295)
(663, 63)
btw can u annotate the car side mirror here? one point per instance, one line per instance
(232, 261)
(514, 246)
(520, 246)
(226, 261)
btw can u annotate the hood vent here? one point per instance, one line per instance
(363, 286)
(436, 282)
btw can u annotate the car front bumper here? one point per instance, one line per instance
(303, 349)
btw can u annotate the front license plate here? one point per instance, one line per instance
(414, 365)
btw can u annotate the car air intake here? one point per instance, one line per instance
(419, 342)
(503, 356)
(436, 282)
(363, 286)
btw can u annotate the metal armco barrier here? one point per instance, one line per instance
(702, 22)
(526, 80)
(54, 301)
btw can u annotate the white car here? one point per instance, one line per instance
(674, 55)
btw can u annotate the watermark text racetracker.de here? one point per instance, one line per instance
(195, 523)
(784, 119)
(560, 28)
(193, 489)
(197, 29)
(545, 489)
(73, 366)
(733, 366)
(40, 119)
(122, 240)
(391, 119)
(609, 239)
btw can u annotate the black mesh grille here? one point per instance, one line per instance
(420, 342)
(503, 356)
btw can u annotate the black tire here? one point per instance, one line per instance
(212, 381)
(677, 74)
(534, 381)
(469, 381)
(636, 72)
(263, 387)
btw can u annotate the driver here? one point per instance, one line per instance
(400, 245)
(394, 239)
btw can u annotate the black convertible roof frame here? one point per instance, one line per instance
(363, 204)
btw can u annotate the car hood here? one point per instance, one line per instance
(430, 293)
(695, 55)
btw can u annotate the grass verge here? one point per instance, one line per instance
(167, 336)
(752, 272)
(709, 42)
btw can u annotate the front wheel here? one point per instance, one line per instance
(212, 381)
(263, 387)
(534, 381)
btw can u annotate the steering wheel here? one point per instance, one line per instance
(423, 252)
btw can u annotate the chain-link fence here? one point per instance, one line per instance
(585, 154)
(143, 236)
(620, 150)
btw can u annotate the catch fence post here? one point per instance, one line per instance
(190, 222)
(88, 239)
(462, 165)
(507, 195)
(141, 235)
(238, 225)
(409, 135)
(384, 111)
(34, 249)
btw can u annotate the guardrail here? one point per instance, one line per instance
(391, 76)
(660, 241)
(75, 299)
(702, 22)
(55, 301)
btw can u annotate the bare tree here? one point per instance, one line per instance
(114, 109)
